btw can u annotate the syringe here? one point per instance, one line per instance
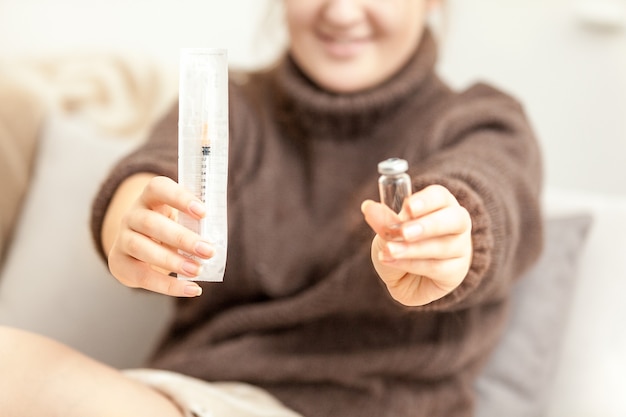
(203, 147)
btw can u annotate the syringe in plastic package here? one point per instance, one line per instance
(203, 148)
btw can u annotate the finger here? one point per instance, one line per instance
(417, 290)
(430, 199)
(164, 190)
(168, 285)
(446, 247)
(147, 250)
(379, 217)
(137, 274)
(448, 273)
(158, 227)
(451, 220)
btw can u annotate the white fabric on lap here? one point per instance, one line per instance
(198, 398)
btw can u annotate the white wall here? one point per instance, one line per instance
(150, 27)
(571, 76)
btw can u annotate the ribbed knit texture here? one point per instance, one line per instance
(301, 311)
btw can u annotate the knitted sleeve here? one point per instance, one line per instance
(157, 155)
(488, 157)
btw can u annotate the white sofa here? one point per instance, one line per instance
(592, 364)
(567, 331)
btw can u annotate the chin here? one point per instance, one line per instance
(339, 77)
(343, 87)
(345, 82)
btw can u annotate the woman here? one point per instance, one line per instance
(302, 317)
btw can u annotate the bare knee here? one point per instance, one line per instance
(67, 383)
(31, 364)
(13, 343)
(23, 353)
(15, 352)
(20, 347)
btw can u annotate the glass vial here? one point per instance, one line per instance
(394, 184)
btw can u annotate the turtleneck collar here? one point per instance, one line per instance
(320, 111)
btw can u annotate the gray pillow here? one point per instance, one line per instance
(53, 283)
(518, 378)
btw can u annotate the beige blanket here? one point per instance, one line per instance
(21, 113)
(121, 95)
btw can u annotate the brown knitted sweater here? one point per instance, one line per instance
(301, 311)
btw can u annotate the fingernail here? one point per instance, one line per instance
(193, 290)
(412, 231)
(396, 249)
(204, 249)
(191, 268)
(197, 208)
(365, 204)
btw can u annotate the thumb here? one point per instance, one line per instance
(380, 217)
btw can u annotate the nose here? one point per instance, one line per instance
(343, 12)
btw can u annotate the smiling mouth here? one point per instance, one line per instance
(343, 47)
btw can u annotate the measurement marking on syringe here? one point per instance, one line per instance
(206, 155)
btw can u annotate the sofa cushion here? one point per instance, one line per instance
(53, 282)
(519, 377)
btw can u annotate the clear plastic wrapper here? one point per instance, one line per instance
(203, 148)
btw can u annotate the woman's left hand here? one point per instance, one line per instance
(425, 251)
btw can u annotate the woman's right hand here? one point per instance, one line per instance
(145, 239)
